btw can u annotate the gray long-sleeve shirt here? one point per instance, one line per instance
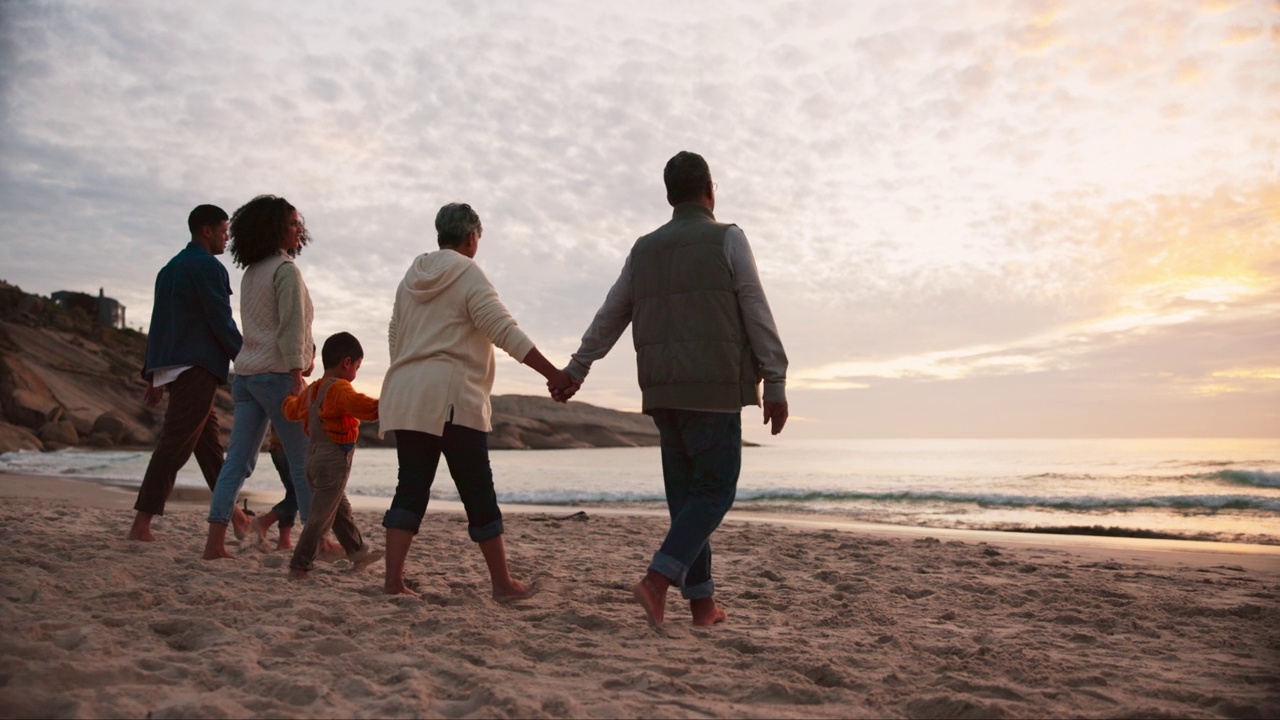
(615, 315)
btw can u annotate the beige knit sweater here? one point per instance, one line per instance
(275, 316)
(446, 321)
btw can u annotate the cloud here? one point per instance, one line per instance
(959, 194)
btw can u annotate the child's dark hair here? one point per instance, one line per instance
(340, 346)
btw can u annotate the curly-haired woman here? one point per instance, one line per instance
(267, 233)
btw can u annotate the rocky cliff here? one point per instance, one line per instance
(66, 382)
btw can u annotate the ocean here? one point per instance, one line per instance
(1203, 489)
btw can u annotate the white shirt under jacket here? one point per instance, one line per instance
(446, 320)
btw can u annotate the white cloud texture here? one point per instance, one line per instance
(955, 190)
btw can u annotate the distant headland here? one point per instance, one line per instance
(68, 378)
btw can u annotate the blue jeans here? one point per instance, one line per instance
(258, 399)
(701, 459)
(467, 453)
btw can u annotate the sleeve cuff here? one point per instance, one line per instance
(295, 361)
(775, 392)
(577, 370)
(520, 347)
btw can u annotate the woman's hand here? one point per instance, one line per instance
(562, 386)
(559, 383)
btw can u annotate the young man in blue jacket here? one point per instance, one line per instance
(191, 344)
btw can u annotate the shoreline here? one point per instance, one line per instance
(97, 492)
(825, 620)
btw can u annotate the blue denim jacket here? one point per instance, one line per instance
(191, 322)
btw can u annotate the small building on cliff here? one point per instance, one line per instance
(104, 311)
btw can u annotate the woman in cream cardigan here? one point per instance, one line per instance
(435, 396)
(275, 313)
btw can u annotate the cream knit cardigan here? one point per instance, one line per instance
(275, 315)
(446, 320)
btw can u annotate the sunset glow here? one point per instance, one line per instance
(955, 207)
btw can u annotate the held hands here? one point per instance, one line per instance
(562, 386)
(775, 412)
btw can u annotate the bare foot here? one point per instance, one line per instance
(239, 523)
(705, 612)
(258, 530)
(365, 558)
(212, 552)
(515, 590)
(284, 544)
(215, 547)
(141, 529)
(331, 551)
(299, 574)
(651, 593)
(397, 587)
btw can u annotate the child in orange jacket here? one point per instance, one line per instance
(331, 410)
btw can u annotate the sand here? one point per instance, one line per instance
(822, 623)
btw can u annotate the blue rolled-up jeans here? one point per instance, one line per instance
(257, 403)
(701, 460)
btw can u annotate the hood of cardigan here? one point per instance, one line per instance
(432, 273)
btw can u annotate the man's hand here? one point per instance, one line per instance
(562, 386)
(775, 412)
(298, 383)
(152, 395)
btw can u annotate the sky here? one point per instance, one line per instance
(972, 219)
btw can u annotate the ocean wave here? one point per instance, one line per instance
(802, 499)
(1252, 478)
(73, 462)
(1235, 476)
(1176, 502)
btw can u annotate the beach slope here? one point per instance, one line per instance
(822, 623)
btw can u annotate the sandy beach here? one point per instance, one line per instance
(822, 623)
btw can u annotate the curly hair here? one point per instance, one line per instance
(258, 229)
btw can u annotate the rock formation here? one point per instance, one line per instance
(65, 382)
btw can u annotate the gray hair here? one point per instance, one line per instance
(454, 223)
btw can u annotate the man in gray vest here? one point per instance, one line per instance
(704, 338)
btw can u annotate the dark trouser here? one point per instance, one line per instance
(190, 425)
(286, 509)
(701, 459)
(328, 467)
(467, 453)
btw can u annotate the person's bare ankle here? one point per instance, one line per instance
(141, 529)
(706, 612)
(240, 523)
(215, 546)
(651, 593)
